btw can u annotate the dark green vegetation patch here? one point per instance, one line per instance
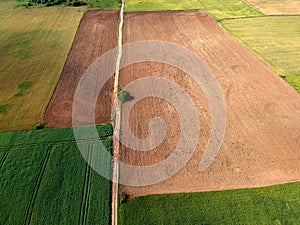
(106, 4)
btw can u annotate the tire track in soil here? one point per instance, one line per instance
(37, 186)
(85, 190)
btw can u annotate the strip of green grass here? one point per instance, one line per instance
(49, 190)
(278, 204)
(217, 8)
(294, 81)
(34, 44)
(274, 39)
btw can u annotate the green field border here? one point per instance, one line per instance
(277, 204)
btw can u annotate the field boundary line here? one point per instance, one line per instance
(261, 16)
(85, 190)
(116, 122)
(37, 186)
(58, 142)
(252, 5)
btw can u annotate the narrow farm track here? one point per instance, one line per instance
(85, 190)
(117, 121)
(37, 186)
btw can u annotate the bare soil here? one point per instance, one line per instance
(275, 7)
(96, 35)
(262, 141)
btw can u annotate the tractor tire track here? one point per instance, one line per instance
(3, 158)
(85, 191)
(37, 186)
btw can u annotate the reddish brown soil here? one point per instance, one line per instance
(262, 140)
(96, 35)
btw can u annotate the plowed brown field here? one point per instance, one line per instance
(262, 140)
(96, 35)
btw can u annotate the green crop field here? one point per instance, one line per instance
(45, 180)
(278, 204)
(217, 8)
(34, 44)
(274, 39)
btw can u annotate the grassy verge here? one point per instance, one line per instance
(274, 39)
(294, 81)
(45, 180)
(217, 8)
(278, 204)
(34, 44)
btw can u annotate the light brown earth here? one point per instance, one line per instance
(276, 7)
(96, 35)
(262, 140)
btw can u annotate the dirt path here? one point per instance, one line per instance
(116, 122)
(262, 140)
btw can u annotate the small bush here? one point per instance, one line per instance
(78, 3)
(40, 126)
(123, 197)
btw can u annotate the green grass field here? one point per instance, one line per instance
(278, 204)
(45, 180)
(217, 8)
(34, 44)
(274, 39)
